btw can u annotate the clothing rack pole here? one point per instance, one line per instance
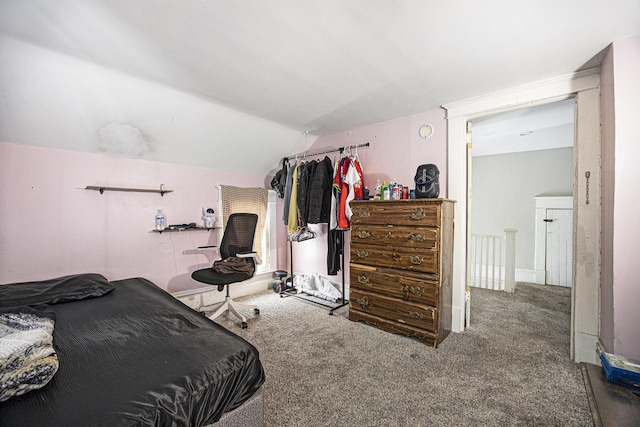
(332, 150)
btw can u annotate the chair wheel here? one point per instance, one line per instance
(256, 310)
(244, 325)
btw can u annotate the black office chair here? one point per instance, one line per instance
(237, 242)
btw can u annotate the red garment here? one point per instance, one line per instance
(343, 188)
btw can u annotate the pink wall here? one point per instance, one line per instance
(607, 112)
(626, 269)
(395, 151)
(50, 226)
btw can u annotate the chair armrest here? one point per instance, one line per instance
(253, 255)
(208, 248)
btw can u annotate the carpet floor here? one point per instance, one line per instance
(511, 367)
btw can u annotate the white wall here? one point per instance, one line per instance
(503, 191)
(50, 99)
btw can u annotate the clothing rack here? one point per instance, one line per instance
(330, 150)
(332, 307)
(344, 300)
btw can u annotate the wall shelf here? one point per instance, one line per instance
(102, 189)
(169, 229)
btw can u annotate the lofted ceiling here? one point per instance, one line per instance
(326, 66)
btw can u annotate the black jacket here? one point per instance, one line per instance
(320, 193)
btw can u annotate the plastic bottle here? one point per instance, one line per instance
(160, 225)
(385, 191)
(378, 190)
(396, 191)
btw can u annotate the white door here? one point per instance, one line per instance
(558, 247)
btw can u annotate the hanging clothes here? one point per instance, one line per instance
(305, 177)
(335, 241)
(287, 193)
(292, 225)
(320, 193)
(333, 213)
(343, 191)
(354, 180)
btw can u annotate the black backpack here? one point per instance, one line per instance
(279, 181)
(427, 184)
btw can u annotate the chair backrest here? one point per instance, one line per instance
(238, 235)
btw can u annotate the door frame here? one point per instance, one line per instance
(584, 87)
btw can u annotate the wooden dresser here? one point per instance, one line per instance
(401, 261)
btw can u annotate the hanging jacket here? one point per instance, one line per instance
(287, 194)
(303, 191)
(292, 225)
(320, 193)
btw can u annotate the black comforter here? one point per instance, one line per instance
(135, 356)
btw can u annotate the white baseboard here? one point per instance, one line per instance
(523, 275)
(208, 295)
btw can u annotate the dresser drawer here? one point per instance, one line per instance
(396, 212)
(428, 338)
(403, 235)
(406, 313)
(425, 261)
(422, 289)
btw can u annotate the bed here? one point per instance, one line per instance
(130, 354)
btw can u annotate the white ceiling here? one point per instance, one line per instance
(542, 127)
(332, 65)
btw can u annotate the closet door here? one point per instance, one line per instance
(559, 247)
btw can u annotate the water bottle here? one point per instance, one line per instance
(160, 220)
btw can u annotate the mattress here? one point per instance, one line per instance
(135, 356)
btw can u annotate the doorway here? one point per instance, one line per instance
(519, 159)
(584, 86)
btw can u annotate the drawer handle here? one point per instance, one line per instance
(417, 237)
(416, 216)
(416, 260)
(406, 290)
(415, 315)
(416, 290)
(388, 234)
(363, 234)
(362, 254)
(363, 279)
(364, 303)
(364, 214)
